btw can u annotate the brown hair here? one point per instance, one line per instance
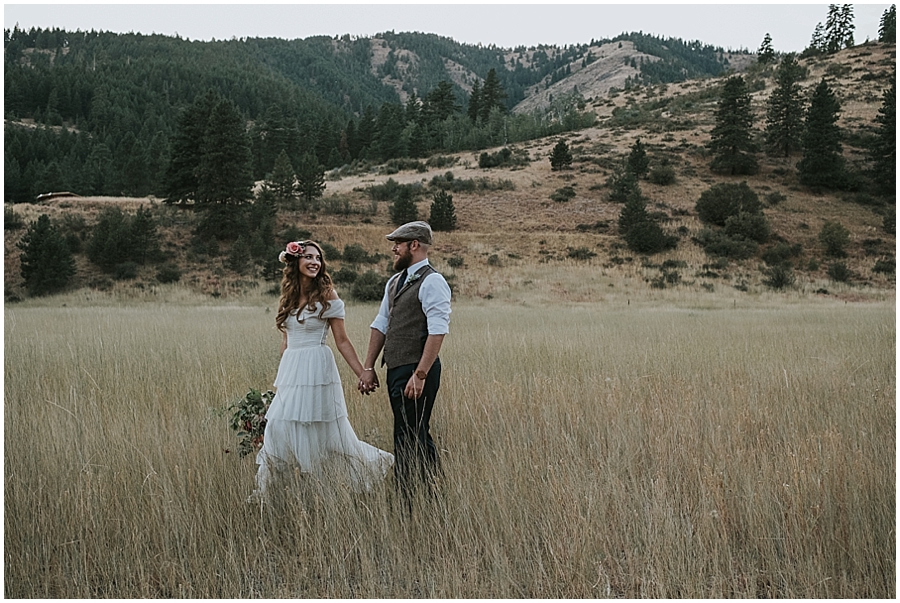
(290, 287)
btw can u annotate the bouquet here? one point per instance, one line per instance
(248, 419)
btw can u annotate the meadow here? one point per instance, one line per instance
(664, 448)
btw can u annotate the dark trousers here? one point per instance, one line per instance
(415, 455)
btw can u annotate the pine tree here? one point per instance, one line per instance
(560, 157)
(443, 213)
(838, 28)
(181, 178)
(731, 141)
(884, 147)
(638, 163)
(766, 54)
(474, 101)
(46, 262)
(110, 243)
(785, 110)
(817, 43)
(404, 209)
(822, 163)
(283, 182)
(144, 237)
(225, 173)
(492, 95)
(887, 28)
(310, 180)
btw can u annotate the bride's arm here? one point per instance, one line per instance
(344, 345)
(283, 343)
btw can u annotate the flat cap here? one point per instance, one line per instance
(412, 231)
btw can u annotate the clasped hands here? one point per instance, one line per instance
(368, 382)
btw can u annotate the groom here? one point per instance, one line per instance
(410, 327)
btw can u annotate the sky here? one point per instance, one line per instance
(507, 25)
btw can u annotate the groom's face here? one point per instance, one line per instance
(402, 255)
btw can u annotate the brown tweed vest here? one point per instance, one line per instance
(407, 327)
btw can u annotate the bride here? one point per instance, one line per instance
(306, 424)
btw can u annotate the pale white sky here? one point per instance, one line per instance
(506, 25)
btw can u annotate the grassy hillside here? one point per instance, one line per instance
(513, 237)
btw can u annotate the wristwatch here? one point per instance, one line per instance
(420, 374)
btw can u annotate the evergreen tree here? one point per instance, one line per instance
(310, 180)
(492, 95)
(144, 237)
(283, 182)
(817, 43)
(560, 157)
(884, 147)
(366, 133)
(822, 163)
(785, 110)
(474, 100)
(766, 54)
(440, 103)
(731, 141)
(389, 131)
(182, 181)
(838, 28)
(623, 184)
(46, 262)
(404, 209)
(638, 163)
(111, 243)
(887, 28)
(225, 173)
(443, 213)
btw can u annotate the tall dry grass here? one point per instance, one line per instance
(590, 451)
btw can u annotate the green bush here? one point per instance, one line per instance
(718, 244)
(455, 262)
(779, 276)
(46, 262)
(648, 237)
(168, 273)
(345, 275)
(580, 253)
(662, 175)
(443, 213)
(564, 194)
(885, 265)
(834, 237)
(125, 271)
(781, 253)
(754, 227)
(368, 286)
(721, 201)
(355, 254)
(12, 220)
(839, 272)
(404, 209)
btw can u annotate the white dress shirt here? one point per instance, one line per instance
(434, 295)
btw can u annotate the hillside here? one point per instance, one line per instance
(512, 237)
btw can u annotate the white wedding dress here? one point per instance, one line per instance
(306, 424)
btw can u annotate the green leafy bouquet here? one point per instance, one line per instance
(248, 419)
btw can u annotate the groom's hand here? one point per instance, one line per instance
(368, 382)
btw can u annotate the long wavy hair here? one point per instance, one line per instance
(291, 293)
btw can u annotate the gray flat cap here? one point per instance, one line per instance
(412, 231)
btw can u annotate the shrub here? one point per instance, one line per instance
(775, 198)
(493, 260)
(344, 275)
(329, 251)
(564, 194)
(781, 253)
(662, 175)
(441, 161)
(889, 222)
(839, 272)
(721, 201)
(168, 273)
(125, 271)
(505, 157)
(885, 265)
(355, 254)
(835, 238)
(12, 220)
(754, 227)
(455, 262)
(648, 237)
(779, 276)
(239, 255)
(368, 286)
(622, 185)
(580, 253)
(717, 243)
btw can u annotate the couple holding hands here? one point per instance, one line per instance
(307, 424)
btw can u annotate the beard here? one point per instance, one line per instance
(403, 261)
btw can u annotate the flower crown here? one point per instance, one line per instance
(293, 249)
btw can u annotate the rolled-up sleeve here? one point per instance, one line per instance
(381, 320)
(435, 297)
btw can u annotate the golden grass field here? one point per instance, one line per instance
(667, 446)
